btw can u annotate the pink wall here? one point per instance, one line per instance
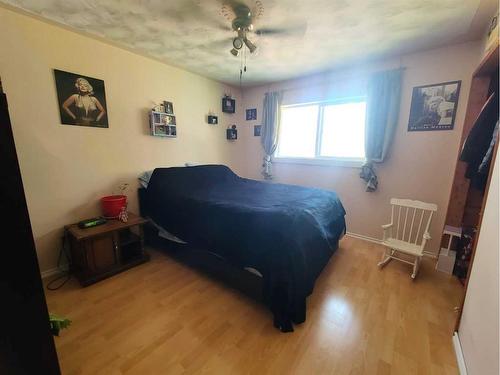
(420, 165)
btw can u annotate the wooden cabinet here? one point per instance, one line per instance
(104, 250)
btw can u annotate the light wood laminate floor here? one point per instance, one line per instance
(165, 318)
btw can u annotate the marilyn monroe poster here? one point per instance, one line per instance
(82, 100)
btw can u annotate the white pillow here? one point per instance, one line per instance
(144, 178)
(192, 164)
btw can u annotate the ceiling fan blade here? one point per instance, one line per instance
(220, 25)
(257, 10)
(193, 11)
(217, 44)
(272, 31)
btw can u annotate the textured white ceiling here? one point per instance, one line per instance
(194, 35)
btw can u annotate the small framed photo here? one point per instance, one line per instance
(232, 133)
(213, 120)
(256, 130)
(434, 107)
(251, 114)
(170, 120)
(157, 118)
(169, 108)
(161, 130)
(228, 105)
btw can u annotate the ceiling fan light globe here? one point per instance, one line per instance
(252, 47)
(237, 43)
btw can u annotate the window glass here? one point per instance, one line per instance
(343, 130)
(298, 131)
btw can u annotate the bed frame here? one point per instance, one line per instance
(221, 270)
(203, 260)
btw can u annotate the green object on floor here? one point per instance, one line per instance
(57, 323)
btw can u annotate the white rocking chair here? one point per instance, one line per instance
(396, 237)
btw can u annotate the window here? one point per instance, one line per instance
(323, 131)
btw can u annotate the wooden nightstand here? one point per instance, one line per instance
(102, 251)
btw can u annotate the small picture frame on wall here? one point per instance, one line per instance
(212, 120)
(161, 130)
(232, 133)
(162, 125)
(256, 130)
(434, 107)
(251, 114)
(170, 120)
(228, 105)
(168, 107)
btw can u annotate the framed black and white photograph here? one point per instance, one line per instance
(228, 105)
(212, 119)
(170, 120)
(434, 107)
(82, 100)
(232, 132)
(256, 130)
(168, 107)
(251, 114)
(161, 130)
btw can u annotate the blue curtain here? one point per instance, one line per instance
(382, 113)
(269, 131)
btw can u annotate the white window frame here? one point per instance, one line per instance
(317, 159)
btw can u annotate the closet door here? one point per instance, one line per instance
(26, 343)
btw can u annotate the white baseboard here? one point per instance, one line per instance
(459, 354)
(53, 271)
(429, 254)
(363, 237)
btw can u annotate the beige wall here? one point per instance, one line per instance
(420, 165)
(66, 169)
(479, 326)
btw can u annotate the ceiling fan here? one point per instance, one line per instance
(243, 17)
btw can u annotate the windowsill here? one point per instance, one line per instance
(327, 162)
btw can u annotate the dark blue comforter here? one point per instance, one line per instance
(286, 232)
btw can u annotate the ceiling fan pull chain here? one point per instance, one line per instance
(241, 68)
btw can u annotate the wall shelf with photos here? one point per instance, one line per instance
(162, 124)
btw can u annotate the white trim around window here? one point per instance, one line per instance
(326, 162)
(318, 159)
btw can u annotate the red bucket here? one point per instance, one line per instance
(112, 205)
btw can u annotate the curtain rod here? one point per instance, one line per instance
(328, 82)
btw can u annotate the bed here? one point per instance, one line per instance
(283, 234)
